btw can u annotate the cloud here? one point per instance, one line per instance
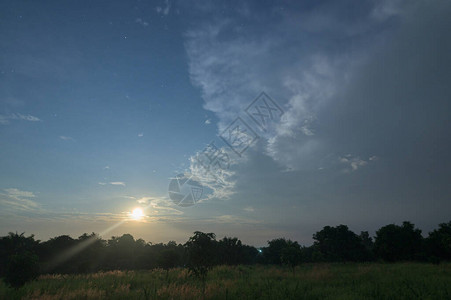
(213, 167)
(141, 22)
(374, 84)
(16, 193)
(18, 203)
(16, 199)
(232, 64)
(208, 122)
(249, 209)
(157, 206)
(29, 118)
(121, 183)
(5, 119)
(165, 9)
(232, 69)
(66, 138)
(58, 215)
(387, 8)
(140, 134)
(116, 183)
(354, 163)
(232, 219)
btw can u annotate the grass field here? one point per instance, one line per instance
(310, 281)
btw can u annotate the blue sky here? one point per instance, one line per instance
(102, 103)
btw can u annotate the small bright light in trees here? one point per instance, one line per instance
(137, 214)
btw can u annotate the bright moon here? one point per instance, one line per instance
(137, 214)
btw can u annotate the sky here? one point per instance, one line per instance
(316, 113)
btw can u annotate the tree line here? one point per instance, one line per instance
(23, 257)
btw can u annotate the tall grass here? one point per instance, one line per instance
(310, 281)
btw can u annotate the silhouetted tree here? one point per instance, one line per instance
(18, 261)
(169, 255)
(230, 250)
(123, 252)
(168, 259)
(438, 243)
(291, 254)
(339, 244)
(307, 254)
(249, 255)
(395, 243)
(273, 253)
(201, 253)
(368, 244)
(14, 244)
(90, 253)
(21, 268)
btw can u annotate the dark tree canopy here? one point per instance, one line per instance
(201, 253)
(18, 261)
(339, 244)
(291, 254)
(22, 257)
(395, 243)
(273, 253)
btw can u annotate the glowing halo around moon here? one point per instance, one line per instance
(137, 214)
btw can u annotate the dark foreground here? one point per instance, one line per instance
(312, 281)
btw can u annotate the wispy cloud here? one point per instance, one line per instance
(249, 209)
(29, 118)
(117, 183)
(55, 215)
(232, 219)
(121, 183)
(354, 163)
(231, 69)
(5, 119)
(66, 138)
(156, 206)
(217, 177)
(141, 22)
(145, 200)
(14, 198)
(164, 9)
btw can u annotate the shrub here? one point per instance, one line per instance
(21, 268)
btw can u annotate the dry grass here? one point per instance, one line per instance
(68, 294)
(311, 281)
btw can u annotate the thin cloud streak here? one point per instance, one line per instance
(16, 199)
(120, 183)
(5, 119)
